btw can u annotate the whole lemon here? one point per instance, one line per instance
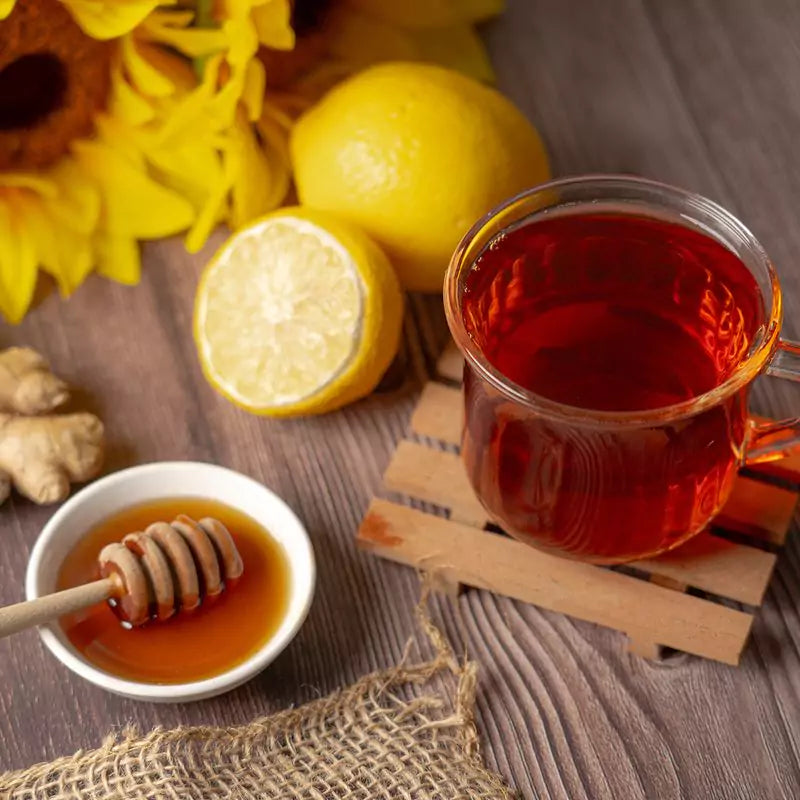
(414, 154)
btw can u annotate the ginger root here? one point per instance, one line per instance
(41, 455)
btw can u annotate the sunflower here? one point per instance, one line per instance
(123, 120)
(297, 49)
(228, 113)
(338, 37)
(83, 90)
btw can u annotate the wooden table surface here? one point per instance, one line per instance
(697, 93)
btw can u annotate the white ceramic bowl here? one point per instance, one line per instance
(166, 480)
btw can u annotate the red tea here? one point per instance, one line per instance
(611, 313)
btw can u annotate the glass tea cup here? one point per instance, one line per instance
(612, 328)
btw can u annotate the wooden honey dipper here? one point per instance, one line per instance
(169, 567)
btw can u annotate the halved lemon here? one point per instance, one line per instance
(299, 313)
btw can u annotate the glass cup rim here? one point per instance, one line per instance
(761, 350)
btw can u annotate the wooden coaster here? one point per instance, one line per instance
(647, 600)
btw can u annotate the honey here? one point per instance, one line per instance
(194, 645)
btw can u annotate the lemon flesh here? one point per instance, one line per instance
(280, 315)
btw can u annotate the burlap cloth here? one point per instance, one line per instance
(404, 733)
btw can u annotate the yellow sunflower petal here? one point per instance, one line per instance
(74, 261)
(77, 204)
(168, 17)
(242, 39)
(26, 180)
(235, 9)
(103, 19)
(273, 21)
(133, 204)
(257, 187)
(241, 76)
(429, 13)
(278, 116)
(170, 28)
(118, 258)
(190, 169)
(185, 117)
(281, 180)
(199, 110)
(174, 67)
(62, 252)
(274, 135)
(146, 172)
(136, 58)
(18, 265)
(213, 210)
(31, 211)
(225, 103)
(255, 82)
(127, 104)
(122, 139)
(208, 217)
(6, 6)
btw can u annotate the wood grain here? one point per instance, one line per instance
(736, 571)
(436, 477)
(644, 610)
(439, 414)
(700, 93)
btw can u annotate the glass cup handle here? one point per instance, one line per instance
(769, 441)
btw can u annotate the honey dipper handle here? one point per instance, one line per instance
(43, 609)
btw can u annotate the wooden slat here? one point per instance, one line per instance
(644, 648)
(450, 364)
(439, 413)
(667, 581)
(436, 477)
(714, 565)
(785, 469)
(706, 562)
(759, 510)
(647, 648)
(499, 564)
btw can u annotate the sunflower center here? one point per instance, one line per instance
(308, 16)
(30, 88)
(54, 79)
